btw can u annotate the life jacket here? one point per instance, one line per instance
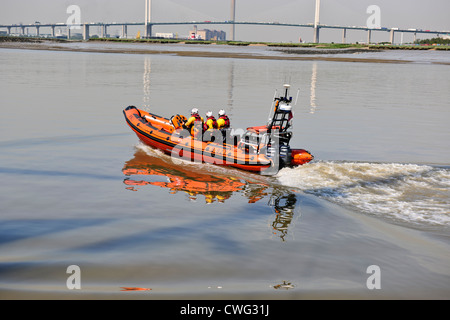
(197, 126)
(197, 119)
(214, 123)
(227, 121)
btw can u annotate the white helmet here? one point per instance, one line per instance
(209, 114)
(194, 111)
(221, 112)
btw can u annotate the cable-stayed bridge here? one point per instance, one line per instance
(85, 27)
(149, 23)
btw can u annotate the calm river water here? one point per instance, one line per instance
(78, 188)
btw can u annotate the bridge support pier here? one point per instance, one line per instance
(124, 31)
(316, 35)
(148, 19)
(86, 32)
(344, 35)
(148, 30)
(369, 34)
(232, 18)
(104, 31)
(392, 36)
(316, 22)
(53, 31)
(37, 31)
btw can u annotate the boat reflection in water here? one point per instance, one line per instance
(283, 204)
(148, 166)
(191, 178)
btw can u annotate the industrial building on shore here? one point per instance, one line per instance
(207, 34)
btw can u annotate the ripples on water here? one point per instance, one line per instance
(408, 193)
(76, 189)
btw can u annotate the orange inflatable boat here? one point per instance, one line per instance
(262, 149)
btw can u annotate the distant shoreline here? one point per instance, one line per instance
(320, 46)
(294, 52)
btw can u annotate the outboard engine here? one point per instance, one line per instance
(271, 152)
(273, 139)
(279, 123)
(285, 155)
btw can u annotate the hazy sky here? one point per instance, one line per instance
(427, 15)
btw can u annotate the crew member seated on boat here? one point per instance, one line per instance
(210, 127)
(195, 124)
(223, 124)
(211, 122)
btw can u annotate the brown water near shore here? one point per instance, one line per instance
(291, 54)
